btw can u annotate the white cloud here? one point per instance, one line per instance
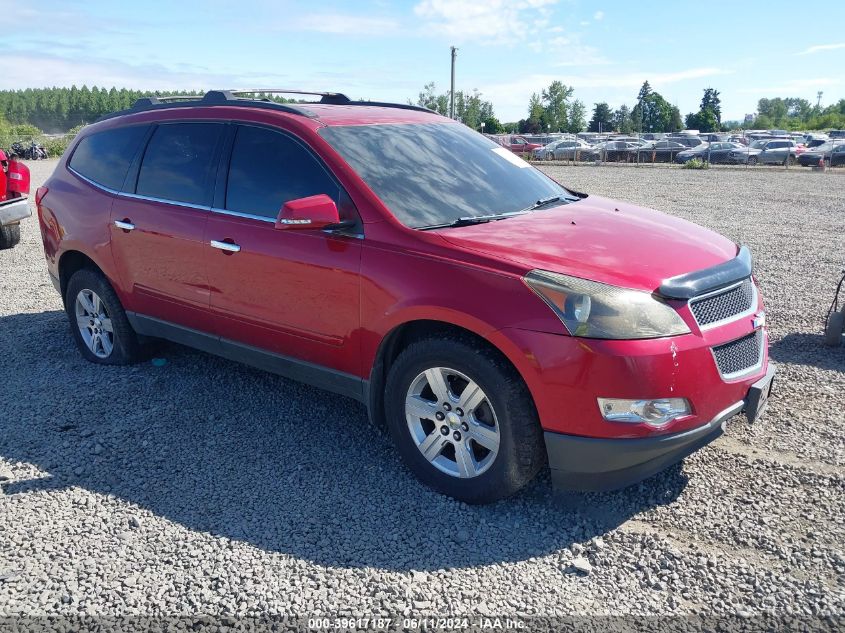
(598, 16)
(819, 48)
(343, 24)
(491, 21)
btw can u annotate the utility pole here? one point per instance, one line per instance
(819, 100)
(452, 91)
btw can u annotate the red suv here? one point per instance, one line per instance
(490, 318)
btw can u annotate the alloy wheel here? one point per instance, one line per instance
(452, 422)
(94, 323)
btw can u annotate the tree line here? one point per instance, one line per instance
(57, 110)
(553, 109)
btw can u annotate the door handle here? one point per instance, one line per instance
(122, 224)
(226, 246)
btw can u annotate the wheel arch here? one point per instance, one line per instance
(404, 334)
(72, 261)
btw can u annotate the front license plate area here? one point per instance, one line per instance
(758, 395)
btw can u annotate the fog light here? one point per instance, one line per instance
(654, 412)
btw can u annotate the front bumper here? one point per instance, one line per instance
(598, 464)
(13, 211)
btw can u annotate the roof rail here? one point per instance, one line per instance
(236, 98)
(327, 97)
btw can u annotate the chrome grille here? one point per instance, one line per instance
(739, 356)
(725, 305)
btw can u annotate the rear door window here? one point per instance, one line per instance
(104, 157)
(178, 161)
(269, 168)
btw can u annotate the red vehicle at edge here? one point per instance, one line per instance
(14, 205)
(492, 319)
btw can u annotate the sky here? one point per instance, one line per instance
(383, 50)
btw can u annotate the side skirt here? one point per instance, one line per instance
(295, 369)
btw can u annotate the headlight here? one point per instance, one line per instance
(595, 310)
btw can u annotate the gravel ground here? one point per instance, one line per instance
(207, 487)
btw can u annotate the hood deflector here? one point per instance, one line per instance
(692, 284)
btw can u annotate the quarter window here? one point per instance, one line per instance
(268, 169)
(177, 163)
(104, 157)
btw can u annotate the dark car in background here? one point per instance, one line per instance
(832, 153)
(660, 151)
(613, 152)
(716, 153)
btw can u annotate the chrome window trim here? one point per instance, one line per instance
(755, 300)
(189, 205)
(135, 196)
(745, 372)
(91, 182)
(239, 214)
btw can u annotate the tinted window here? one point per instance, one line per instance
(429, 174)
(104, 157)
(177, 163)
(268, 169)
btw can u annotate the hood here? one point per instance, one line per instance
(599, 239)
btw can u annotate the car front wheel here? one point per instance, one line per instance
(752, 160)
(98, 322)
(463, 420)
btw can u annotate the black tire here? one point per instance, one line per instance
(827, 163)
(752, 160)
(126, 346)
(521, 451)
(835, 327)
(10, 235)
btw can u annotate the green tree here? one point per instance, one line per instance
(622, 120)
(602, 120)
(711, 101)
(555, 101)
(577, 117)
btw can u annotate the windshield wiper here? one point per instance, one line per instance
(475, 219)
(543, 202)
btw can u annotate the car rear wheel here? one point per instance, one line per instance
(9, 235)
(463, 420)
(752, 160)
(827, 163)
(98, 322)
(789, 161)
(550, 156)
(833, 332)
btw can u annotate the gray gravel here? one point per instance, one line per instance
(207, 487)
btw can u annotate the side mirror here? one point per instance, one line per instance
(313, 212)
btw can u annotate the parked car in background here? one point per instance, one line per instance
(519, 145)
(715, 153)
(571, 150)
(832, 153)
(778, 152)
(613, 152)
(547, 152)
(836, 134)
(712, 137)
(815, 141)
(493, 321)
(660, 151)
(743, 155)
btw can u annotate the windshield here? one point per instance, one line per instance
(436, 173)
